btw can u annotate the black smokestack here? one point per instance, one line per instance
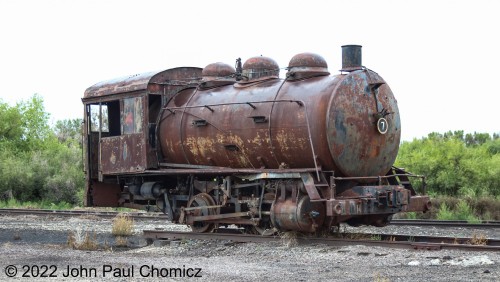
(351, 57)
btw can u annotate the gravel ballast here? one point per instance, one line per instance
(37, 246)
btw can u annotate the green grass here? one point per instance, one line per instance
(48, 205)
(12, 203)
(411, 215)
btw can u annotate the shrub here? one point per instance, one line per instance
(465, 212)
(453, 164)
(445, 213)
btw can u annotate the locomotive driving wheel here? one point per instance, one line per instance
(264, 227)
(202, 205)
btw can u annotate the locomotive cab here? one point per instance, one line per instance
(120, 125)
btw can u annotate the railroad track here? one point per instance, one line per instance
(161, 216)
(380, 240)
(70, 213)
(384, 240)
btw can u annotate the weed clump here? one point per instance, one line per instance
(123, 225)
(84, 242)
(478, 240)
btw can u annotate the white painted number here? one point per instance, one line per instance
(382, 126)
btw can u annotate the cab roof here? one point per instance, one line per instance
(138, 82)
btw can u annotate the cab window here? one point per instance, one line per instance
(95, 117)
(132, 115)
(105, 117)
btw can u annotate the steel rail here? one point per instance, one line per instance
(392, 241)
(161, 216)
(106, 214)
(446, 223)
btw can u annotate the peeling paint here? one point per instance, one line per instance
(125, 151)
(112, 159)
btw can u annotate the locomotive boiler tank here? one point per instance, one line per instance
(347, 123)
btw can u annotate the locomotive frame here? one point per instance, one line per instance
(126, 166)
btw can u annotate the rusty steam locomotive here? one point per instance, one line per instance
(241, 146)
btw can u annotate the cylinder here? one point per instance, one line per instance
(151, 190)
(351, 57)
(303, 216)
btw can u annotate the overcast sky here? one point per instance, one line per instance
(440, 58)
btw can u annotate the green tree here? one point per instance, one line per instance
(37, 162)
(10, 123)
(25, 126)
(455, 164)
(69, 130)
(477, 139)
(34, 122)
